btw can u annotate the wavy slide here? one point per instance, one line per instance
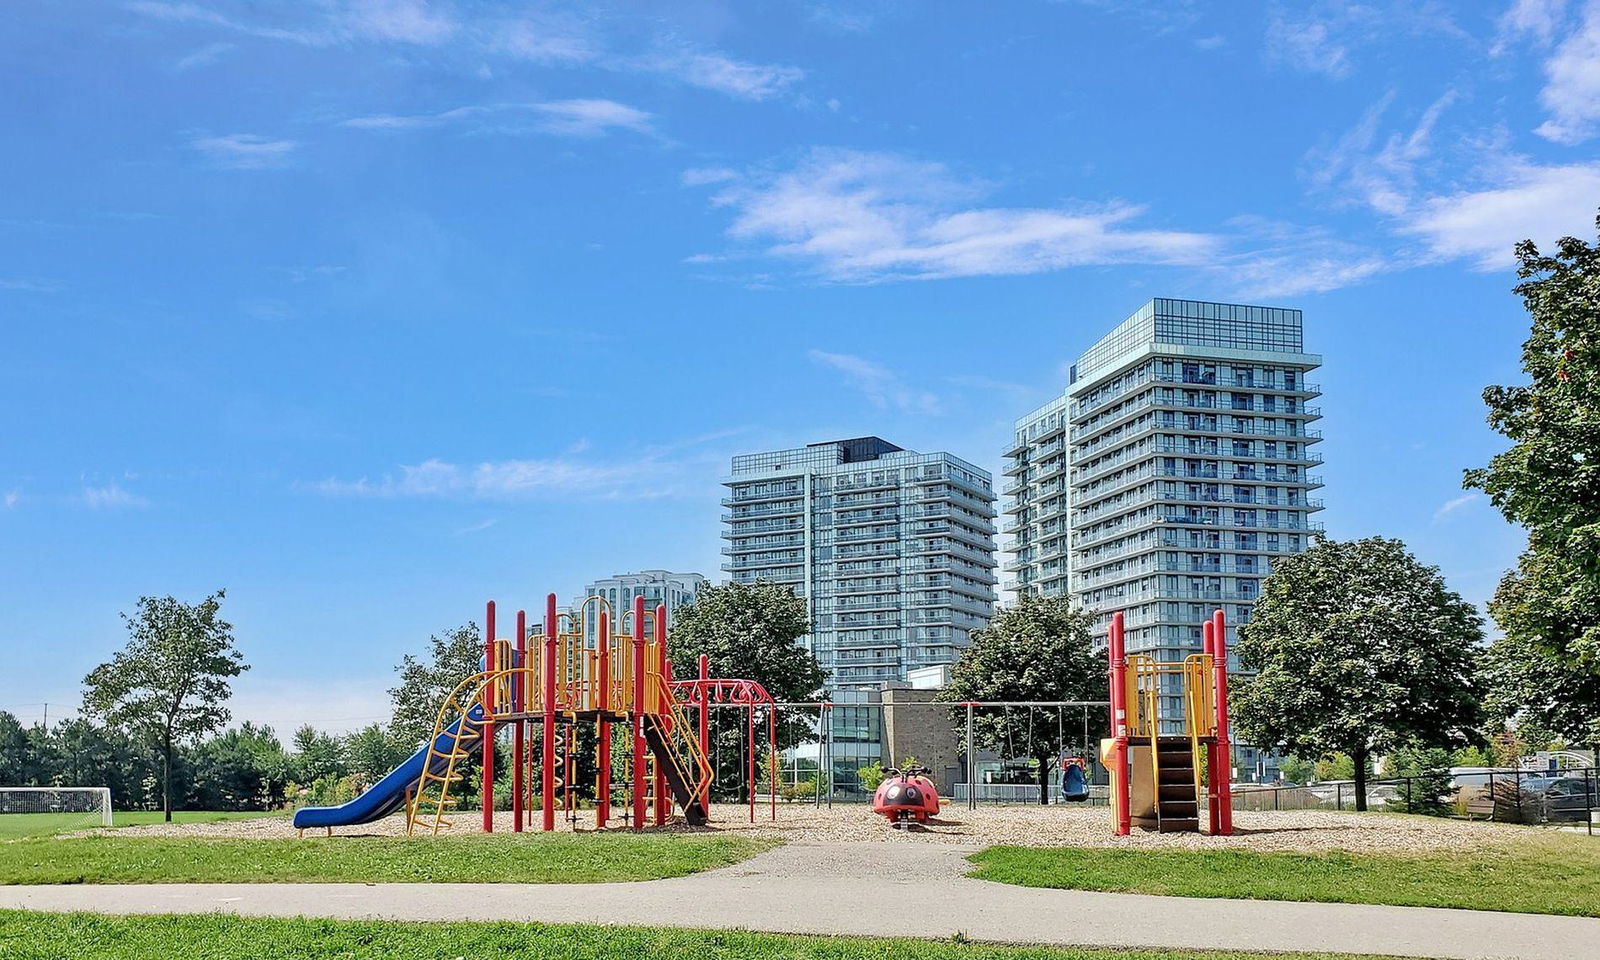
(389, 794)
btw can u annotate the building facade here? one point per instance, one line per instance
(656, 586)
(1171, 473)
(893, 550)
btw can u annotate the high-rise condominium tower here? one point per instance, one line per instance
(1171, 473)
(893, 550)
(672, 590)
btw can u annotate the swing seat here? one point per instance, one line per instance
(1074, 786)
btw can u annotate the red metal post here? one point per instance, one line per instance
(750, 741)
(663, 799)
(1208, 632)
(518, 726)
(602, 687)
(1119, 725)
(1224, 773)
(772, 747)
(488, 724)
(705, 724)
(637, 720)
(547, 677)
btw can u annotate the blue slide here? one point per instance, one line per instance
(389, 794)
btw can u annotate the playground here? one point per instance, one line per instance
(1305, 831)
(639, 841)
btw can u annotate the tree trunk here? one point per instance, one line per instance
(166, 778)
(1360, 758)
(1044, 780)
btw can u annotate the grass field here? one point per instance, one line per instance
(1549, 873)
(14, 825)
(40, 936)
(493, 858)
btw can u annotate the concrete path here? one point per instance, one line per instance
(876, 890)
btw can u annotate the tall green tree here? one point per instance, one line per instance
(1547, 663)
(372, 752)
(316, 755)
(240, 769)
(169, 685)
(1042, 648)
(1359, 648)
(19, 764)
(425, 681)
(1534, 678)
(748, 632)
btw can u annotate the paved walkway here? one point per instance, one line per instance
(877, 890)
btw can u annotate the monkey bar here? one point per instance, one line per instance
(703, 693)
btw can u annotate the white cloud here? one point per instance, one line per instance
(568, 118)
(403, 21)
(12, 498)
(194, 14)
(882, 386)
(491, 480)
(1323, 37)
(1287, 260)
(1499, 199)
(1451, 506)
(208, 54)
(1571, 93)
(111, 497)
(1536, 19)
(861, 217)
(545, 40)
(1306, 43)
(715, 71)
(701, 176)
(407, 21)
(591, 117)
(1542, 203)
(1384, 178)
(549, 38)
(25, 285)
(245, 151)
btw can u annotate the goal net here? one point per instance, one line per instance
(34, 811)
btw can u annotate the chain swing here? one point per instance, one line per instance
(1029, 743)
(1061, 734)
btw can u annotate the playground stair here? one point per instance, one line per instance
(684, 788)
(1177, 809)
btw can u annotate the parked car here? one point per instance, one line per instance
(1527, 799)
(1563, 798)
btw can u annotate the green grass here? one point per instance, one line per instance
(1546, 873)
(13, 825)
(41, 936)
(498, 858)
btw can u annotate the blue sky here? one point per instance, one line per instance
(370, 311)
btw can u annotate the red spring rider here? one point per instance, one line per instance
(906, 795)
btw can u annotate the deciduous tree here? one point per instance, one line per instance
(170, 684)
(1359, 648)
(1546, 666)
(749, 632)
(425, 681)
(1042, 648)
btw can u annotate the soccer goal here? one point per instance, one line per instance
(35, 811)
